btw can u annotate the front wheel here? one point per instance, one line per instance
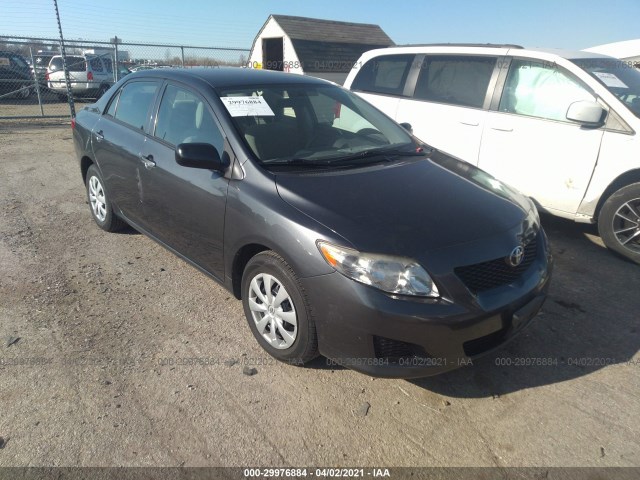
(277, 310)
(619, 222)
(99, 202)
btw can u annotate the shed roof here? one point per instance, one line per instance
(314, 29)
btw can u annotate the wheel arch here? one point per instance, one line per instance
(627, 178)
(240, 260)
(85, 163)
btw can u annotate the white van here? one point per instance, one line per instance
(90, 75)
(560, 126)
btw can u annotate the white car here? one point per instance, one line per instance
(562, 127)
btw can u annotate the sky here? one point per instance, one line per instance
(568, 24)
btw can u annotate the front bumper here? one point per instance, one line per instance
(367, 330)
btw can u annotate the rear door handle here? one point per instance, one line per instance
(471, 123)
(99, 136)
(502, 129)
(147, 161)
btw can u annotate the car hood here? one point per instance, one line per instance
(407, 208)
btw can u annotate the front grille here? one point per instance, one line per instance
(394, 350)
(496, 273)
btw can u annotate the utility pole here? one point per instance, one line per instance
(63, 52)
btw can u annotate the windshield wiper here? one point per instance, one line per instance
(384, 154)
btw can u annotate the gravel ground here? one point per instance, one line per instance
(101, 324)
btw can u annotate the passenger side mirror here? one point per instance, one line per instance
(407, 127)
(200, 155)
(587, 113)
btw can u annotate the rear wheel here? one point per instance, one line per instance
(99, 203)
(619, 222)
(277, 310)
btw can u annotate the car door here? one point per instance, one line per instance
(528, 141)
(448, 106)
(184, 207)
(117, 140)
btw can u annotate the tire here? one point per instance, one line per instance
(619, 222)
(294, 339)
(99, 204)
(24, 93)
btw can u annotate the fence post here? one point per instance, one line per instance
(63, 53)
(182, 54)
(115, 65)
(37, 82)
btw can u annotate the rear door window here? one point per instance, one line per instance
(134, 103)
(455, 80)
(386, 74)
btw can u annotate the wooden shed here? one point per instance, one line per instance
(322, 48)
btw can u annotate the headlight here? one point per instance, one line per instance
(388, 273)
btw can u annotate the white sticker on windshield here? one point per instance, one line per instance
(610, 80)
(247, 106)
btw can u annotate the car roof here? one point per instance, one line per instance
(230, 76)
(488, 48)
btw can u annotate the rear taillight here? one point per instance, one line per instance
(73, 123)
(46, 76)
(90, 76)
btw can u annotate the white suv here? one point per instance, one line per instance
(560, 126)
(90, 75)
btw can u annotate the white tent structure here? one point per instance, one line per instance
(627, 50)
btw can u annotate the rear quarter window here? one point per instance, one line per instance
(386, 74)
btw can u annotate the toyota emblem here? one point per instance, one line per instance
(516, 256)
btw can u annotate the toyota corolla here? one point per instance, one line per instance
(342, 234)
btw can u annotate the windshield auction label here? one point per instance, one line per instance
(610, 80)
(247, 106)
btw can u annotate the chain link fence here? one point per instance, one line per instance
(32, 70)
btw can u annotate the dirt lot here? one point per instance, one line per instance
(106, 314)
(51, 105)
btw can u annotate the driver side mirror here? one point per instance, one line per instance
(200, 155)
(407, 127)
(587, 113)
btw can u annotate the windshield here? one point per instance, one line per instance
(311, 124)
(618, 76)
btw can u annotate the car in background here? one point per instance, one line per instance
(342, 233)
(16, 78)
(562, 127)
(146, 66)
(90, 75)
(123, 71)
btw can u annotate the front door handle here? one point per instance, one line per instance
(502, 129)
(99, 136)
(147, 161)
